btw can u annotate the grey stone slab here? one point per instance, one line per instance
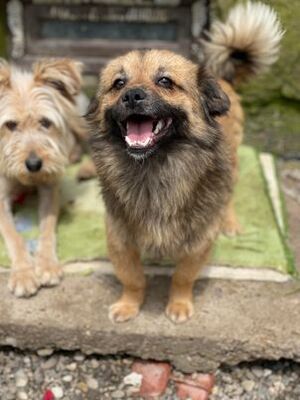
(234, 321)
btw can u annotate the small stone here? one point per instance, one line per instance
(11, 341)
(215, 390)
(57, 391)
(248, 385)
(258, 372)
(38, 377)
(133, 379)
(267, 372)
(94, 363)
(79, 357)
(45, 352)
(71, 366)
(50, 363)
(92, 383)
(117, 394)
(27, 360)
(67, 378)
(83, 387)
(21, 378)
(22, 396)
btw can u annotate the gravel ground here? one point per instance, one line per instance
(72, 376)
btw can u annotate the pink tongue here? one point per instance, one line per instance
(139, 131)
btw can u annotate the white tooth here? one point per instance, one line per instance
(169, 121)
(158, 127)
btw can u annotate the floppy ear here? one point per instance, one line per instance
(4, 73)
(92, 109)
(63, 75)
(215, 102)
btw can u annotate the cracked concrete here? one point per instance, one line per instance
(233, 322)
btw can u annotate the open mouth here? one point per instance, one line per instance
(142, 132)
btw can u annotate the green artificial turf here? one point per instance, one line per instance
(81, 231)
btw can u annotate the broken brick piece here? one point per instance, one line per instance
(202, 381)
(155, 378)
(185, 391)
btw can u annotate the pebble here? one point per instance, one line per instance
(45, 352)
(79, 357)
(92, 383)
(50, 363)
(22, 396)
(58, 392)
(83, 387)
(248, 385)
(21, 378)
(133, 379)
(67, 378)
(94, 363)
(258, 372)
(117, 394)
(72, 366)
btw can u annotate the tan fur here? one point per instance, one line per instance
(38, 119)
(246, 44)
(159, 207)
(232, 125)
(174, 199)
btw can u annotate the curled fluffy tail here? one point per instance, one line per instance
(246, 43)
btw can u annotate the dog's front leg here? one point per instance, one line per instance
(47, 266)
(180, 306)
(129, 270)
(22, 280)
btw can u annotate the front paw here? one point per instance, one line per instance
(123, 311)
(232, 228)
(23, 282)
(179, 311)
(49, 273)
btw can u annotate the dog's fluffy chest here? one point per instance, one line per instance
(167, 211)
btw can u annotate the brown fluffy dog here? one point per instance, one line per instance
(39, 130)
(164, 140)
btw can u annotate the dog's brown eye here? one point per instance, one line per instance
(165, 82)
(11, 125)
(46, 123)
(119, 83)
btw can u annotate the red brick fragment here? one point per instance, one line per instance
(202, 381)
(185, 391)
(155, 378)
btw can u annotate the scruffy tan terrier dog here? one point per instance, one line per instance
(40, 128)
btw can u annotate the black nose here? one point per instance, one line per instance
(133, 96)
(33, 163)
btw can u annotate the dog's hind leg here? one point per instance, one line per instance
(180, 306)
(22, 281)
(231, 226)
(128, 268)
(47, 266)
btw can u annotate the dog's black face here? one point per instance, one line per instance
(144, 121)
(148, 99)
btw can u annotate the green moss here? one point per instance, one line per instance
(81, 230)
(273, 125)
(271, 101)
